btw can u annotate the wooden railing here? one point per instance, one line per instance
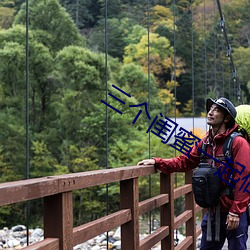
(59, 232)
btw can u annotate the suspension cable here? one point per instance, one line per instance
(149, 141)
(215, 53)
(192, 24)
(174, 75)
(205, 51)
(229, 53)
(107, 120)
(175, 93)
(27, 207)
(222, 68)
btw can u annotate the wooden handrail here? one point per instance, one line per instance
(58, 208)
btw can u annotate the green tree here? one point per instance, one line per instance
(84, 13)
(161, 60)
(40, 60)
(6, 17)
(133, 76)
(53, 25)
(117, 31)
(161, 16)
(241, 56)
(42, 163)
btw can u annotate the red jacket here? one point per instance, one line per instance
(240, 153)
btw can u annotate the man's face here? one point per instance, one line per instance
(215, 116)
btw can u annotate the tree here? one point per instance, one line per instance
(118, 31)
(242, 64)
(161, 16)
(161, 62)
(78, 76)
(84, 13)
(53, 25)
(132, 75)
(40, 60)
(6, 17)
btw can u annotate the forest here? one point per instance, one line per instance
(60, 60)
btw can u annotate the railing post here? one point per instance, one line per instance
(129, 198)
(190, 205)
(167, 210)
(58, 219)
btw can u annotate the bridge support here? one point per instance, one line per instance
(58, 219)
(190, 205)
(167, 210)
(130, 199)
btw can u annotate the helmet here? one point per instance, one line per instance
(223, 103)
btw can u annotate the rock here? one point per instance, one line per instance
(111, 233)
(91, 242)
(111, 239)
(117, 245)
(103, 243)
(100, 238)
(3, 233)
(16, 238)
(19, 234)
(38, 232)
(13, 243)
(95, 248)
(117, 234)
(81, 246)
(23, 240)
(18, 228)
(18, 247)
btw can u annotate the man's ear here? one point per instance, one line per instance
(228, 118)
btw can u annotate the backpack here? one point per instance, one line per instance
(206, 181)
(243, 120)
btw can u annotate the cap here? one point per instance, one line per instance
(223, 103)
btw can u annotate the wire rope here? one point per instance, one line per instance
(77, 13)
(192, 77)
(205, 49)
(174, 57)
(107, 120)
(236, 83)
(175, 90)
(149, 138)
(215, 53)
(229, 84)
(27, 207)
(222, 68)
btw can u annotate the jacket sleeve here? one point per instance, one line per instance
(241, 175)
(182, 163)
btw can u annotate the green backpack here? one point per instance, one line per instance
(243, 120)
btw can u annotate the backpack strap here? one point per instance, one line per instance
(227, 147)
(217, 208)
(204, 149)
(227, 151)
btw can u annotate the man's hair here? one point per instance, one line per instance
(231, 122)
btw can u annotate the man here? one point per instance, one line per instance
(221, 115)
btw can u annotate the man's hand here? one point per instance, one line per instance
(232, 221)
(146, 162)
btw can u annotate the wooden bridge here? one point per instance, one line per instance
(56, 192)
